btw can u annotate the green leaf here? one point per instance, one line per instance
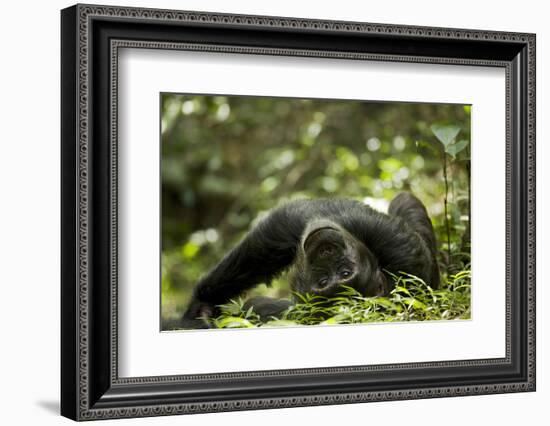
(232, 308)
(280, 323)
(445, 134)
(455, 148)
(384, 301)
(416, 304)
(234, 322)
(336, 319)
(401, 289)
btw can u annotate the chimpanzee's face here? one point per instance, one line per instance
(330, 257)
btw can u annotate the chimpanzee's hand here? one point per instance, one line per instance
(267, 307)
(197, 315)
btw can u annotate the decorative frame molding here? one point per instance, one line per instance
(91, 37)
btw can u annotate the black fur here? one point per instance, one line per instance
(400, 241)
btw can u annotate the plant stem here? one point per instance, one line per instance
(468, 169)
(446, 212)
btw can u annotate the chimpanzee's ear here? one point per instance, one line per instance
(382, 288)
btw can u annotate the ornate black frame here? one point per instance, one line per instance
(91, 37)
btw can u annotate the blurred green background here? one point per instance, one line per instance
(227, 160)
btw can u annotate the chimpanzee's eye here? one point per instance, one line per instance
(345, 273)
(323, 282)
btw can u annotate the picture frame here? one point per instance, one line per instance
(91, 37)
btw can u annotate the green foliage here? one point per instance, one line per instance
(227, 160)
(447, 136)
(455, 148)
(410, 300)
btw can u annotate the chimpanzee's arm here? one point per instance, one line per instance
(411, 210)
(266, 250)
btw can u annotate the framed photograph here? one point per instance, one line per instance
(263, 212)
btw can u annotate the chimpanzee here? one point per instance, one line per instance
(324, 243)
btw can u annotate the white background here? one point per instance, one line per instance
(29, 225)
(143, 351)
